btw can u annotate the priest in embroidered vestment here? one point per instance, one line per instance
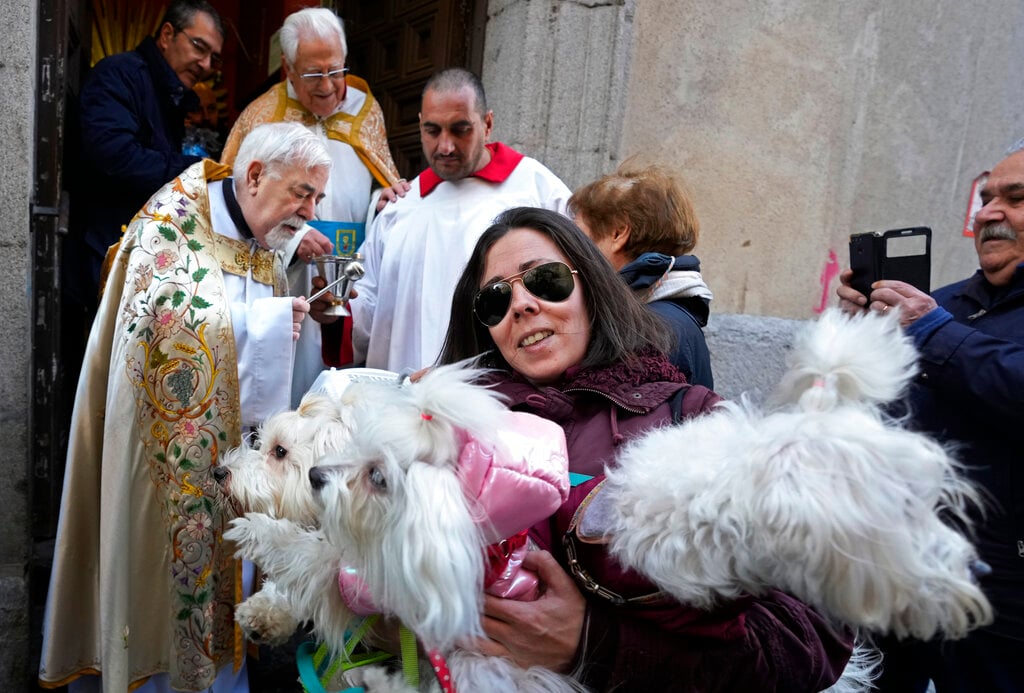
(338, 107)
(194, 341)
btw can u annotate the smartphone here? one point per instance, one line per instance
(901, 254)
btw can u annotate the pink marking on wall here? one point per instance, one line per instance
(828, 273)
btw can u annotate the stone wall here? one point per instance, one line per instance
(17, 83)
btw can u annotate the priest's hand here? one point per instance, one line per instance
(545, 632)
(312, 244)
(393, 193)
(299, 310)
(317, 307)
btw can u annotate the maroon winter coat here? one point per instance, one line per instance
(769, 643)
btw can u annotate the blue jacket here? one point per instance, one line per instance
(131, 118)
(675, 291)
(971, 392)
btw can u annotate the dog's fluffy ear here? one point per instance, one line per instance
(450, 394)
(314, 404)
(427, 565)
(865, 357)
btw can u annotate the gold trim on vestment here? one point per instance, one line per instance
(237, 258)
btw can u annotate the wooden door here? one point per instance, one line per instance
(395, 45)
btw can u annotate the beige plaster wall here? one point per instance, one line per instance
(796, 123)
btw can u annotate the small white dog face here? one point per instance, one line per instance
(392, 502)
(273, 477)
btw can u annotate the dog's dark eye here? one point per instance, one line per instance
(280, 453)
(376, 477)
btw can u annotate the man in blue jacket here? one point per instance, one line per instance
(971, 393)
(132, 119)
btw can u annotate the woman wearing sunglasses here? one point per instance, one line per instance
(569, 342)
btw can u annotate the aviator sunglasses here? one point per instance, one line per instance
(551, 281)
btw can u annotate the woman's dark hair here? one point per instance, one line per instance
(621, 326)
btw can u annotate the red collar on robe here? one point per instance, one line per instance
(503, 162)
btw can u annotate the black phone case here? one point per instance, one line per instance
(870, 260)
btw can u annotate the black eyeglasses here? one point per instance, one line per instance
(203, 50)
(551, 281)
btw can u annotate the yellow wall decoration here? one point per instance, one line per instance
(120, 25)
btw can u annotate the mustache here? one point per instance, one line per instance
(997, 232)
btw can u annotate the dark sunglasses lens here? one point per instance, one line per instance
(551, 282)
(492, 303)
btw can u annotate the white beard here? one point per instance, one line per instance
(279, 236)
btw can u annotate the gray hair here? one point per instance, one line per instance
(182, 14)
(279, 146)
(312, 22)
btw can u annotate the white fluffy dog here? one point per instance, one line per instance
(273, 478)
(401, 532)
(821, 495)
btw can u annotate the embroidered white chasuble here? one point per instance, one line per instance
(142, 581)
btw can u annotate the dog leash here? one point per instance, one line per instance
(311, 662)
(315, 679)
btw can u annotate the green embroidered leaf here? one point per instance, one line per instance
(209, 414)
(198, 275)
(178, 297)
(157, 358)
(176, 453)
(161, 300)
(184, 614)
(189, 225)
(195, 246)
(208, 504)
(187, 598)
(187, 464)
(204, 443)
(160, 457)
(202, 598)
(167, 232)
(131, 328)
(199, 302)
(222, 435)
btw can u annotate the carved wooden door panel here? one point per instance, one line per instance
(395, 45)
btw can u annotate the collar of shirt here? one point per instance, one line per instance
(234, 209)
(503, 161)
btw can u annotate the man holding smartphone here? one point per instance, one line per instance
(970, 393)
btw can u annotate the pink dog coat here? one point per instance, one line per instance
(511, 483)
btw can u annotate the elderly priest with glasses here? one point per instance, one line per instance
(193, 343)
(319, 92)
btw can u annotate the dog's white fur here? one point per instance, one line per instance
(393, 509)
(273, 478)
(821, 495)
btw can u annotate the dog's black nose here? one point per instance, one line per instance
(220, 474)
(318, 477)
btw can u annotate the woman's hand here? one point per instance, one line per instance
(545, 632)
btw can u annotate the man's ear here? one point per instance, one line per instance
(488, 125)
(165, 36)
(253, 175)
(284, 68)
